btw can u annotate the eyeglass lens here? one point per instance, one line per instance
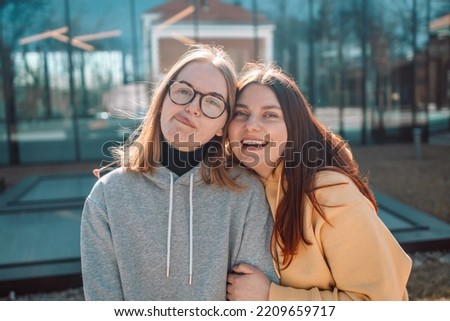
(182, 94)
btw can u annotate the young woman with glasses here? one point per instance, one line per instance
(172, 220)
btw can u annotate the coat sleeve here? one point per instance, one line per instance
(364, 258)
(254, 248)
(101, 278)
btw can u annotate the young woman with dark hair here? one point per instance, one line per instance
(328, 242)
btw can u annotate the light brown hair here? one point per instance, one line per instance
(142, 152)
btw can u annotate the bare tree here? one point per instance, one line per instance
(10, 12)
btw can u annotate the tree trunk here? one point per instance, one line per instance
(10, 103)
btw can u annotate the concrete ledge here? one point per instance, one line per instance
(414, 229)
(40, 228)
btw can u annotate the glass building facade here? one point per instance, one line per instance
(73, 77)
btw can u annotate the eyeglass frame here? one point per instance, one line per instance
(202, 95)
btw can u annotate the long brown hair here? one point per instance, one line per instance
(142, 151)
(310, 145)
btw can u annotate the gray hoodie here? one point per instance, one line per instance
(164, 237)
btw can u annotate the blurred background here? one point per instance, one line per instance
(73, 71)
(76, 76)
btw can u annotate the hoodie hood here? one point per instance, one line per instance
(161, 177)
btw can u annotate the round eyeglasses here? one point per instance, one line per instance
(182, 93)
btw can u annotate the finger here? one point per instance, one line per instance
(231, 278)
(229, 292)
(230, 295)
(96, 172)
(244, 269)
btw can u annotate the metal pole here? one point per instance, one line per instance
(341, 74)
(414, 48)
(311, 57)
(364, 71)
(283, 32)
(134, 47)
(84, 91)
(47, 95)
(9, 97)
(255, 29)
(195, 22)
(417, 138)
(427, 75)
(71, 84)
(133, 38)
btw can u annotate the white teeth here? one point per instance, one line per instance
(254, 142)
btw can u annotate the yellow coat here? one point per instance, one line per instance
(354, 258)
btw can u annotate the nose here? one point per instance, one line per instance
(253, 123)
(193, 107)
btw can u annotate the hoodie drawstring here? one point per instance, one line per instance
(191, 230)
(169, 227)
(191, 225)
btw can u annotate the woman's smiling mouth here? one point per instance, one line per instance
(253, 144)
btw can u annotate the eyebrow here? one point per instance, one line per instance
(263, 107)
(213, 93)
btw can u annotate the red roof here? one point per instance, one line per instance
(440, 23)
(209, 11)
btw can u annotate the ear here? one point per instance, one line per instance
(219, 133)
